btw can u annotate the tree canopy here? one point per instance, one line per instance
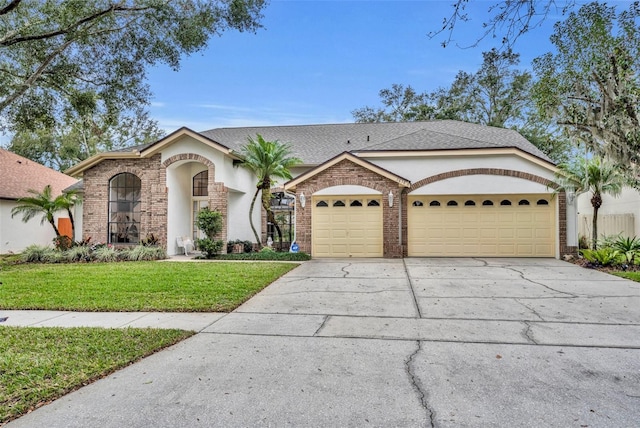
(591, 85)
(60, 55)
(497, 94)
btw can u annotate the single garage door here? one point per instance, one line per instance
(484, 225)
(347, 226)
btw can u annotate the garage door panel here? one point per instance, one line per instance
(346, 226)
(482, 230)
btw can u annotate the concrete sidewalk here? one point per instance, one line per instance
(179, 320)
(413, 342)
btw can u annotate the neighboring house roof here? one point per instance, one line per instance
(18, 175)
(314, 144)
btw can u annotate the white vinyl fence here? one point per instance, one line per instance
(608, 225)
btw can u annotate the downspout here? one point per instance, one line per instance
(400, 221)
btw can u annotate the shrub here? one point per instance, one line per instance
(105, 254)
(141, 252)
(78, 254)
(62, 242)
(209, 247)
(56, 256)
(267, 250)
(247, 246)
(267, 255)
(37, 254)
(583, 242)
(629, 248)
(150, 240)
(603, 256)
(210, 222)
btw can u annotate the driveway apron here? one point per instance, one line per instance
(385, 342)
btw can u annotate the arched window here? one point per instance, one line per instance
(470, 203)
(322, 204)
(200, 184)
(542, 202)
(487, 203)
(338, 203)
(373, 203)
(523, 202)
(417, 203)
(355, 203)
(124, 209)
(505, 202)
(434, 204)
(452, 204)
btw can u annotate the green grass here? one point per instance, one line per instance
(41, 364)
(135, 286)
(635, 276)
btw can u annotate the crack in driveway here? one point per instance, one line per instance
(538, 283)
(346, 272)
(527, 333)
(531, 309)
(417, 385)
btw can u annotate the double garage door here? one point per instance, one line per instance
(347, 226)
(438, 226)
(484, 225)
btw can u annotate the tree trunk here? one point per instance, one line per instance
(53, 224)
(253, 202)
(73, 225)
(596, 203)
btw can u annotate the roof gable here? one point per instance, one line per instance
(147, 150)
(402, 182)
(18, 175)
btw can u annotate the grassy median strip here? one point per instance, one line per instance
(38, 365)
(135, 286)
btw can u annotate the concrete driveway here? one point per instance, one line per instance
(414, 342)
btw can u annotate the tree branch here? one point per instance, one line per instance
(8, 8)
(41, 69)
(114, 8)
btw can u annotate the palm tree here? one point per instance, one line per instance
(66, 201)
(267, 160)
(594, 175)
(40, 203)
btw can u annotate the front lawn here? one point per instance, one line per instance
(135, 286)
(634, 276)
(41, 364)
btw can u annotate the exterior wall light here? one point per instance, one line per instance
(390, 198)
(571, 195)
(302, 199)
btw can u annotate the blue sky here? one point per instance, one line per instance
(316, 61)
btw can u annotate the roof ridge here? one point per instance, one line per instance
(491, 144)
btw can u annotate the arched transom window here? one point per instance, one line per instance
(124, 209)
(200, 184)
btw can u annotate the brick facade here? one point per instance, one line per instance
(342, 173)
(348, 173)
(153, 197)
(154, 201)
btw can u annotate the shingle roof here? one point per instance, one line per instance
(315, 144)
(18, 175)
